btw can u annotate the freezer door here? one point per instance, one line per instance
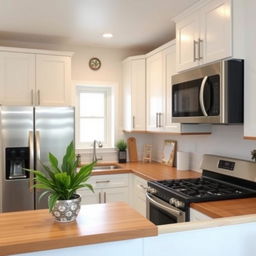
(17, 132)
(54, 130)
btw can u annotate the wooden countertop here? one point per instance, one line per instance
(227, 208)
(37, 230)
(149, 171)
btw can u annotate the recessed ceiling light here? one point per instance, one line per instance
(107, 35)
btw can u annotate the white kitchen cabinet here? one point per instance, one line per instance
(139, 195)
(53, 80)
(107, 188)
(198, 216)
(34, 77)
(134, 93)
(216, 31)
(155, 91)
(17, 78)
(204, 34)
(187, 35)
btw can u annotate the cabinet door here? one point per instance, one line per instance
(138, 95)
(17, 78)
(155, 91)
(53, 80)
(127, 97)
(187, 39)
(139, 200)
(88, 197)
(115, 195)
(170, 70)
(216, 31)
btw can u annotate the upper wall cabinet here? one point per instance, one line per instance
(134, 92)
(17, 78)
(53, 80)
(31, 77)
(205, 33)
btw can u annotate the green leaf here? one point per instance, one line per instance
(43, 194)
(69, 159)
(52, 200)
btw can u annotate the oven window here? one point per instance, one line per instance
(160, 217)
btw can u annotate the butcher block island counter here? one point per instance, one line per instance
(29, 231)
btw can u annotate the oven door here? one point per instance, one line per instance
(159, 212)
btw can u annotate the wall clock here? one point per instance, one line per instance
(94, 63)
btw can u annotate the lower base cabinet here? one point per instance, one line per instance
(107, 188)
(127, 188)
(139, 197)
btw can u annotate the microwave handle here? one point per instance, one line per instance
(201, 97)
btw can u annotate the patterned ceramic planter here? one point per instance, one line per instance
(67, 210)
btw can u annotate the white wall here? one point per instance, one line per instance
(226, 140)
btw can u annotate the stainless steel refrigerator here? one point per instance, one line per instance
(28, 134)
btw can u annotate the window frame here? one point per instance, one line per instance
(108, 113)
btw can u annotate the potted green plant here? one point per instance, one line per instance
(121, 146)
(61, 183)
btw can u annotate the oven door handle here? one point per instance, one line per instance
(201, 97)
(163, 207)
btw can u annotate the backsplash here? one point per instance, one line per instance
(226, 140)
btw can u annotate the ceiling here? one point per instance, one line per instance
(134, 23)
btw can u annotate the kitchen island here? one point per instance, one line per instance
(115, 229)
(29, 231)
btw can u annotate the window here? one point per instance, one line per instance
(94, 116)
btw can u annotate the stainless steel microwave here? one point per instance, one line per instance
(209, 94)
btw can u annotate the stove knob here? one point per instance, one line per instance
(172, 200)
(151, 190)
(179, 204)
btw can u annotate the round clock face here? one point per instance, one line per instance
(94, 63)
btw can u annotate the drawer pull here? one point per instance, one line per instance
(142, 187)
(102, 181)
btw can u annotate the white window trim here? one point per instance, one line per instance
(109, 88)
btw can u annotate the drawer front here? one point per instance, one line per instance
(109, 181)
(140, 187)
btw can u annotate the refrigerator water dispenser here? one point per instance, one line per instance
(16, 160)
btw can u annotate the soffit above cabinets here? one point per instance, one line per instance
(134, 24)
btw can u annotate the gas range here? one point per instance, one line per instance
(222, 178)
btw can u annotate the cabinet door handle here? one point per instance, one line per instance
(32, 97)
(200, 41)
(133, 122)
(105, 197)
(156, 120)
(196, 43)
(160, 120)
(102, 181)
(38, 97)
(100, 197)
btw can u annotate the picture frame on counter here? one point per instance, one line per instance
(169, 152)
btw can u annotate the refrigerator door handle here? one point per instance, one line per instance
(37, 142)
(31, 159)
